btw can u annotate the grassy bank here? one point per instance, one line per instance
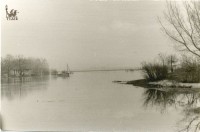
(170, 72)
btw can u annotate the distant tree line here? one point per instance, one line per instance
(19, 66)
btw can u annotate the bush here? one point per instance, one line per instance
(155, 72)
(189, 72)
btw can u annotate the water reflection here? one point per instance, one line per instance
(12, 88)
(187, 100)
(163, 99)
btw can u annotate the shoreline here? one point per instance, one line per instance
(160, 84)
(16, 77)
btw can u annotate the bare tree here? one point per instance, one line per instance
(168, 60)
(172, 59)
(182, 25)
(162, 58)
(7, 64)
(21, 64)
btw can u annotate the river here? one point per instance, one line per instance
(86, 101)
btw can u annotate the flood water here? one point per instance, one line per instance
(90, 101)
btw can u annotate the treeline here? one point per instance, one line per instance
(19, 66)
(181, 69)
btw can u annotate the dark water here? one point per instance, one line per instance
(90, 101)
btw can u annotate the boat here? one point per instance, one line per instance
(65, 73)
(68, 70)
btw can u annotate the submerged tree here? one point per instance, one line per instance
(183, 25)
(19, 65)
(7, 64)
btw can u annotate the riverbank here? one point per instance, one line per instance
(160, 84)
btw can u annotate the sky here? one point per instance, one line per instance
(85, 34)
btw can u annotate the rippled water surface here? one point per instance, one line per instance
(90, 101)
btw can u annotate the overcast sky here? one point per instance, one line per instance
(85, 34)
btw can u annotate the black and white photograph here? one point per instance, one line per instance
(100, 65)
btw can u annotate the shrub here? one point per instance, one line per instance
(189, 71)
(155, 72)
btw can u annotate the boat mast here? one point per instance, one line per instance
(68, 70)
